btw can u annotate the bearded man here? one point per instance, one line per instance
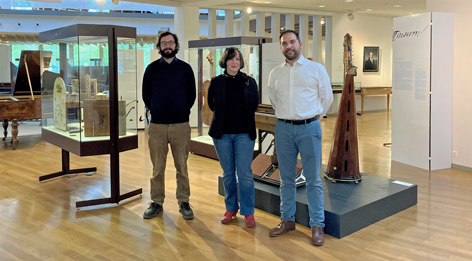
(169, 93)
(300, 92)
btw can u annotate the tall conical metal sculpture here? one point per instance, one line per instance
(343, 163)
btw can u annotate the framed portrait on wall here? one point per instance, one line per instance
(371, 59)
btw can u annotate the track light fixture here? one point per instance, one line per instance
(247, 8)
(350, 16)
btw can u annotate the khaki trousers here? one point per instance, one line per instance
(178, 136)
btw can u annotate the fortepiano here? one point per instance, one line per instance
(18, 108)
(265, 167)
(265, 118)
(24, 101)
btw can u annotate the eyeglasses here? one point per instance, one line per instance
(170, 43)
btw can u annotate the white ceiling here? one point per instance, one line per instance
(391, 8)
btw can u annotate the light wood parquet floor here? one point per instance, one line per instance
(39, 221)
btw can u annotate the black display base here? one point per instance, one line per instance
(114, 182)
(349, 207)
(203, 149)
(110, 200)
(66, 168)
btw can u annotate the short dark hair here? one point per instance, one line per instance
(166, 33)
(229, 54)
(289, 31)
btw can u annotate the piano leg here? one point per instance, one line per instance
(5, 129)
(14, 132)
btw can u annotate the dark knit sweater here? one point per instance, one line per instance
(236, 106)
(169, 91)
(235, 121)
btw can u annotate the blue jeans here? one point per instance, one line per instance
(235, 152)
(289, 141)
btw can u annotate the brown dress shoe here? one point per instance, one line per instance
(282, 228)
(317, 234)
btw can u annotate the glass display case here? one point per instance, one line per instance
(89, 97)
(204, 56)
(84, 95)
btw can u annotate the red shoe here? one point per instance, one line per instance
(250, 222)
(228, 216)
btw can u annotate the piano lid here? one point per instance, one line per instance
(32, 73)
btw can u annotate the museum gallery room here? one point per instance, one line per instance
(396, 146)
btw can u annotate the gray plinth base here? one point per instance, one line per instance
(349, 207)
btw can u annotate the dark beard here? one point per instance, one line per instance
(168, 55)
(291, 57)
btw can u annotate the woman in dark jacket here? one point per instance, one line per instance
(233, 98)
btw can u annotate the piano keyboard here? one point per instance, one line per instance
(265, 121)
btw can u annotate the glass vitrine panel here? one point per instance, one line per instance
(204, 57)
(76, 96)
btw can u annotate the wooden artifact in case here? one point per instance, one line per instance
(59, 97)
(97, 118)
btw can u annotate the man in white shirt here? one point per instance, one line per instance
(300, 92)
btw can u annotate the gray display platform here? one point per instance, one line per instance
(349, 207)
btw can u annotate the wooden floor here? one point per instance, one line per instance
(39, 221)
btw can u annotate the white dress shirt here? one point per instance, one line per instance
(301, 91)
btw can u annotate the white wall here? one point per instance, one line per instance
(365, 31)
(462, 90)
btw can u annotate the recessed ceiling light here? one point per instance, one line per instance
(368, 10)
(397, 5)
(321, 6)
(268, 2)
(348, 1)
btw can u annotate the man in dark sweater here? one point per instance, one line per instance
(169, 92)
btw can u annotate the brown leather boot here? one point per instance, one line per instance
(282, 228)
(317, 234)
